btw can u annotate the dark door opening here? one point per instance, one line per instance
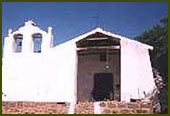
(103, 86)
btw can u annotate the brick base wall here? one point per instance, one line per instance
(33, 108)
(84, 108)
(106, 107)
(114, 107)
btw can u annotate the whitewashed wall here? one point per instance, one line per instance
(47, 76)
(52, 74)
(40, 77)
(136, 71)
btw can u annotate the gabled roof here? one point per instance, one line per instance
(99, 30)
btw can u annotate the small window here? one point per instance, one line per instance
(103, 57)
(37, 40)
(18, 43)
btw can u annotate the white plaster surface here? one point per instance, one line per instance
(136, 71)
(71, 108)
(52, 75)
(97, 108)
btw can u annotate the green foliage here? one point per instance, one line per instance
(157, 36)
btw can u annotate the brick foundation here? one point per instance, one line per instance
(84, 108)
(106, 107)
(114, 107)
(33, 108)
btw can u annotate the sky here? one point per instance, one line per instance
(70, 19)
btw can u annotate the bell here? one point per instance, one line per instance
(107, 66)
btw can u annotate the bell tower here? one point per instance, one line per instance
(28, 39)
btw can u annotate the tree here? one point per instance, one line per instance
(157, 36)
